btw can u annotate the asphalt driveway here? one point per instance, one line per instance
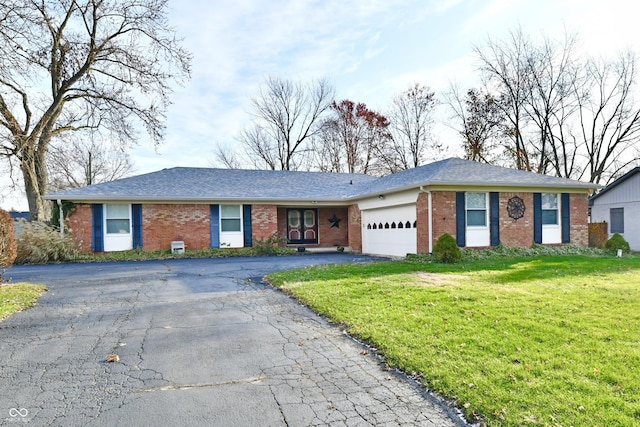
(200, 342)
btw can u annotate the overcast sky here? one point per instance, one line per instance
(370, 50)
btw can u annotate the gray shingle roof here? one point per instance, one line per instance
(201, 184)
(458, 172)
(204, 184)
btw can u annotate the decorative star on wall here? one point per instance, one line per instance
(335, 221)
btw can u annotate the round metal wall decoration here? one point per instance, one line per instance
(515, 208)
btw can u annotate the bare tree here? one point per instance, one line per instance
(411, 123)
(287, 116)
(264, 151)
(73, 65)
(505, 66)
(532, 85)
(482, 124)
(227, 157)
(327, 151)
(552, 72)
(352, 139)
(610, 117)
(77, 163)
(575, 118)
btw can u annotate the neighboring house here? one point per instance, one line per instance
(619, 205)
(17, 227)
(479, 204)
(19, 215)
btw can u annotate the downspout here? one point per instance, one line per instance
(429, 217)
(61, 218)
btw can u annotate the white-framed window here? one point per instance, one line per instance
(118, 218)
(230, 218)
(550, 209)
(476, 206)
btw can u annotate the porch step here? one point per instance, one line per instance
(327, 249)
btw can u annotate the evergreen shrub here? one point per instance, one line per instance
(446, 250)
(617, 242)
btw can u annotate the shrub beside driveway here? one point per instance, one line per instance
(550, 340)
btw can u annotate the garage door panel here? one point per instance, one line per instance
(389, 231)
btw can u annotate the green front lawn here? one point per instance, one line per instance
(17, 297)
(548, 340)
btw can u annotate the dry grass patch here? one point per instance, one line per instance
(437, 279)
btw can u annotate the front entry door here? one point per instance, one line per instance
(302, 226)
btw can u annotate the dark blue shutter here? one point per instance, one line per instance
(246, 225)
(494, 218)
(461, 220)
(136, 222)
(537, 218)
(566, 218)
(215, 226)
(97, 234)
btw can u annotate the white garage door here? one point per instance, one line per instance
(389, 231)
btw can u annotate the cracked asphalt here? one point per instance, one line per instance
(201, 342)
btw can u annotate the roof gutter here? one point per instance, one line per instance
(155, 199)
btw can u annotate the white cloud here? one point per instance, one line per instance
(236, 46)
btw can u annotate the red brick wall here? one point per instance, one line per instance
(282, 225)
(513, 233)
(264, 221)
(444, 214)
(333, 236)
(520, 233)
(81, 226)
(579, 211)
(328, 236)
(516, 233)
(163, 223)
(355, 228)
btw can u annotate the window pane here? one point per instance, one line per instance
(230, 211)
(477, 217)
(549, 201)
(616, 217)
(117, 211)
(230, 225)
(476, 200)
(118, 226)
(309, 218)
(550, 217)
(294, 218)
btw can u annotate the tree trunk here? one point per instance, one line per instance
(36, 179)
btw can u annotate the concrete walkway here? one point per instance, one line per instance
(199, 344)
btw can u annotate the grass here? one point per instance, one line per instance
(546, 340)
(17, 297)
